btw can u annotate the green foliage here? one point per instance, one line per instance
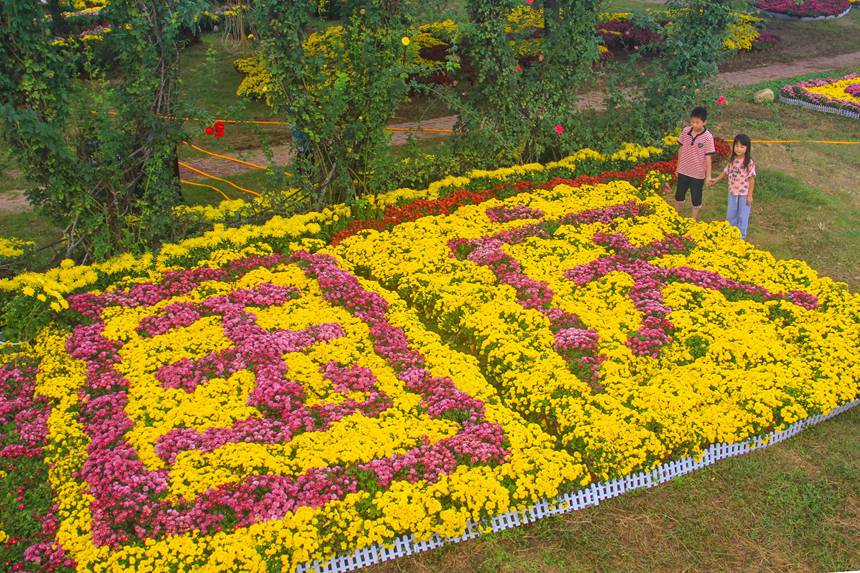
(645, 98)
(257, 80)
(511, 114)
(101, 154)
(340, 98)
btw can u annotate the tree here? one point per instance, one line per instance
(100, 153)
(518, 105)
(340, 98)
(647, 99)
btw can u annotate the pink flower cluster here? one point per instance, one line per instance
(505, 214)
(853, 90)
(129, 500)
(181, 314)
(23, 432)
(441, 396)
(23, 416)
(572, 340)
(578, 345)
(174, 283)
(805, 8)
(649, 281)
(46, 554)
(576, 339)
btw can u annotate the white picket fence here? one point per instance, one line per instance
(781, 16)
(819, 107)
(592, 495)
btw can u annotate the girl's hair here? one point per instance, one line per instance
(743, 139)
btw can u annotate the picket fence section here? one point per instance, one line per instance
(592, 495)
(819, 107)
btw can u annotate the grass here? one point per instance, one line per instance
(803, 40)
(255, 180)
(807, 205)
(791, 507)
(31, 226)
(631, 5)
(208, 82)
(12, 178)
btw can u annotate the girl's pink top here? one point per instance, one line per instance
(739, 176)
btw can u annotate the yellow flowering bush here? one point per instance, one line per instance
(742, 33)
(627, 378)
(11, 248)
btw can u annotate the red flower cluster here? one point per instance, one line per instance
(216, 129)
(724, 147)
(805, 8)
(415, 210)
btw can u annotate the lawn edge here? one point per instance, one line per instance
(592, 495)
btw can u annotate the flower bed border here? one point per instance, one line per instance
(592, 495)
(819, 107)
(781, 16)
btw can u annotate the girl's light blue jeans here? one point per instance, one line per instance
(738, 213)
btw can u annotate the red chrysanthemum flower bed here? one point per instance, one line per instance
(805, 9)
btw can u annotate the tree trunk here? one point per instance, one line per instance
(550, 16)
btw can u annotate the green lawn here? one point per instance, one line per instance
(254, 180)
(807, 205)
(791, 507)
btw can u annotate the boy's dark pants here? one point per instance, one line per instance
(694, 185)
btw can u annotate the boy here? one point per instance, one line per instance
(694, 160)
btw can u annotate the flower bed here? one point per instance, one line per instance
(281, 399)
(36, 298)
(836, 95)
(434, 45)
(806, 8)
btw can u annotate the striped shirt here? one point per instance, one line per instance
(739, 176)
(694, 149)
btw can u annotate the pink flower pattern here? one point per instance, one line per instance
(129, 500)
(573, 340)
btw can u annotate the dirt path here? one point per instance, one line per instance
(13, 201)
(771, 72)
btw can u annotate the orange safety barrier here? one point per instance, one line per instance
(225, 157)
(195, 184)
(210, 176)
(806, 141)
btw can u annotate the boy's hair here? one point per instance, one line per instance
(699, 112)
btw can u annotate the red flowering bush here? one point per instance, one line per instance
(805, 9)
(415, 210)
(626, 35)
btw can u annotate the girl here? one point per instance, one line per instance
(741, 173)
